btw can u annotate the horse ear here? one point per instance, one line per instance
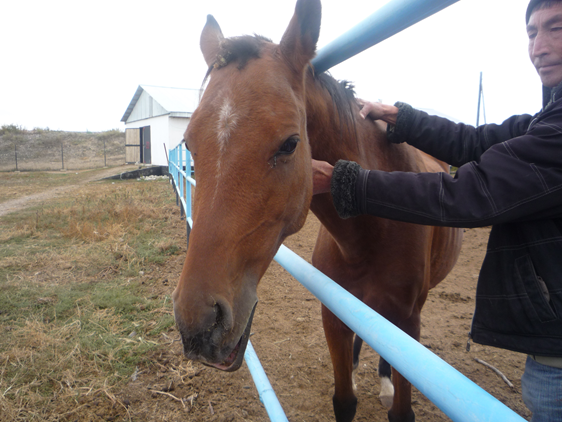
(299, 42)
(210, 39)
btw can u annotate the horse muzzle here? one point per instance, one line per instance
(217, 345)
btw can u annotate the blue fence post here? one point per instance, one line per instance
(188, 171)
(191, 182)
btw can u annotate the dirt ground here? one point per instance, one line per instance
(289, 340)
(288, 337)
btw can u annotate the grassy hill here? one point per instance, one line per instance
(43, 149)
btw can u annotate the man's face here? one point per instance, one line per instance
(544, 33)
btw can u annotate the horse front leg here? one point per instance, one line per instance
(401, 410)
(340, 345)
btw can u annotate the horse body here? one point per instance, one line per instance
(388, 265)
(263, 115)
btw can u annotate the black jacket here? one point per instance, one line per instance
(509, 177)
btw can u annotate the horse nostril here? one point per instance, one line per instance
(223, 319)
(218, 315)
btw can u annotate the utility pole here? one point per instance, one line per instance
(481, 95)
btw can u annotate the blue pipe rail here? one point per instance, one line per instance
(265, 390)
(388, 20)
(452, 392)
(456, 395)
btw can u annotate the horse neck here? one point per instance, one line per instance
(334, 137)
(363, 141)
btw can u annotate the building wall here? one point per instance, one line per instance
(177, 128)
(159, 137)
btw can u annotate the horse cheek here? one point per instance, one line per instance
(300, 193)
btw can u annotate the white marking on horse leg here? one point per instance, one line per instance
(387, 392)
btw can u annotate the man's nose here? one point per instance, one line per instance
(540, 45)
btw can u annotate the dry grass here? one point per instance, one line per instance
(82, 302)
(18, 184)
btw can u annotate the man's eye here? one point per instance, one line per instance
(289, 146)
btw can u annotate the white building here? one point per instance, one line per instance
(155, 122)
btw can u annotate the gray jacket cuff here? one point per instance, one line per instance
(343, 188)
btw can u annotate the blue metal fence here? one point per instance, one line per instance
(457, 396)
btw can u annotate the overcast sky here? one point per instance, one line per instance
(75, 65)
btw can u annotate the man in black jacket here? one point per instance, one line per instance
(509, 177)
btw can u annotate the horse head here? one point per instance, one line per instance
(252, 160)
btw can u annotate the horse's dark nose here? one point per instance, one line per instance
(204, 329)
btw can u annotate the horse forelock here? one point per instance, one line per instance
(238, 49)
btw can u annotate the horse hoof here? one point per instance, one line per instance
(344, 412)
(387, 392)
(386, 400)
(408, 417)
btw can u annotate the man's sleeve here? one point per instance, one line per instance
(455, 144)
(516, 180)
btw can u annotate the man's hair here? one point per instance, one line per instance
(539, 4)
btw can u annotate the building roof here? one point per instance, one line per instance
(182, 101)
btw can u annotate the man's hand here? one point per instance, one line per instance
(322, 175)
(378, 111)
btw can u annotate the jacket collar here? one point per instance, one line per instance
(551, 95)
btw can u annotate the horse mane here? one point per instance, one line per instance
(343, 97)
(243, 48)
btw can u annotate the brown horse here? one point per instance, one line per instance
(263, 115)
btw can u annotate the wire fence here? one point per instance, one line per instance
(22, 150)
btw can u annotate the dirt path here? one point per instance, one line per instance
(25, 201)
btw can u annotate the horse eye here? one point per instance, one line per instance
(289, 146)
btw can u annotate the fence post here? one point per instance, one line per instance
(188, 199)
(16, 149)
(62, 157)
